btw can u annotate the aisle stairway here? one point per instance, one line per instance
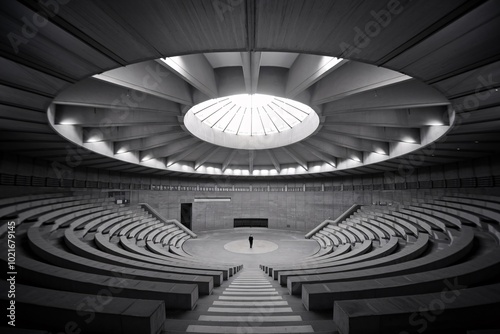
(251, 302)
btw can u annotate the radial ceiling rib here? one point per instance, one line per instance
(205, 156)
(410, 135)
(274, 160)
(228, 159)
(402, 118)
(324, 157)
(307, 70)
(251, 157)
(357, 144)
(196, 70)
(406, 94)
(251, 68)
(115, 133)
(353, 78)
(97, 93)
(97, 117)
(176, 157)
(172, 148)
(152, 78)
(295, 156)
(328, 147)
(149, 142)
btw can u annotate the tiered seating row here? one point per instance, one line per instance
(65, 232)
(450, 242)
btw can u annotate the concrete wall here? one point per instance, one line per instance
(298, 204)
(285, 210)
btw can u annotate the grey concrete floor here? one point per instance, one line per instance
(232, 246)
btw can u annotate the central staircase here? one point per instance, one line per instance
(249, 302)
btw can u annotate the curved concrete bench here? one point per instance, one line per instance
(471, 272)
(131, 246)
(421, 225)
(383, 251)
(155, 273)
(375, 229)
(112, 227)
(136, 222)
(51, 309)
(68, 210)
(38, 212)
(449, 219)
(360, 237)
(391, 223)
(12, 206)
(27, 198)
(41, 274)
(146, 231)
(159, 237)
(175, 240)
(165, 251)
(459, 214)
(453, 310)
(368, 234)
(166, 240)
(405, 262)
(111, 253)
(397, 221)
(342, 249)
(91, 220)
(68, 218)
(333, 239)
(361, 249)
(344, 235)
(489, 198)
(480, 210)
(387, 228)
(134, 233)
(437, 223)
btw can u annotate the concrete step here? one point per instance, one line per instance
(249, 302)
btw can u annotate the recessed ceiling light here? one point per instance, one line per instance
(121, 150)
(458, 148)
(93, 140)
(409, 140)
(66, 122)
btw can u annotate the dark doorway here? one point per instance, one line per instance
(186, 214)
(250, 222)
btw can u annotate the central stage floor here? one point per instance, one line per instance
(270, 246)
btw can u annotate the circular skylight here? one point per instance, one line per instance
(251, 115)
(254, 121)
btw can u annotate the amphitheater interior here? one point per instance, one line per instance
(250, 166)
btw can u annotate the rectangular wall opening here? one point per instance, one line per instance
(186, 214)
(251, 222)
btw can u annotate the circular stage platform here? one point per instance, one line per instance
(243, 246)
(232, 246)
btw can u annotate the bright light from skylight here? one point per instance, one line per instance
(251, 115)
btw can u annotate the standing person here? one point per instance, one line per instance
(250, 239)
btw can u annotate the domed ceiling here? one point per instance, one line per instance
(251, 114)
(391, 85)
